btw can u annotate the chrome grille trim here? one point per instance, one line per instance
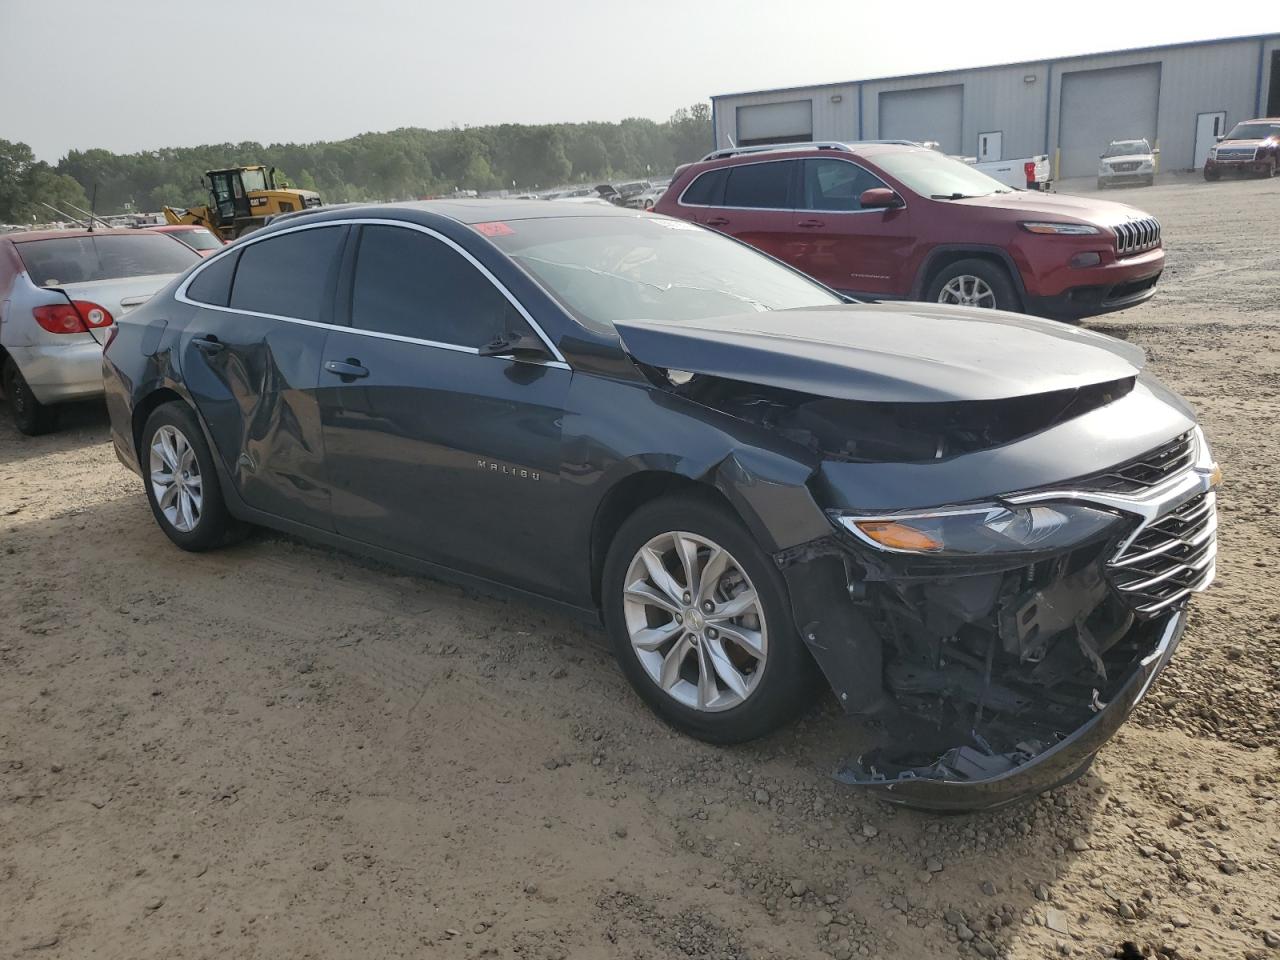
(1141, 473)
(1168, 558)
(1137, 236)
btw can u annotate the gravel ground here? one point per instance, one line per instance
(280, 751)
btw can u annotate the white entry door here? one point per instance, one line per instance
(1209, 127)
(989, 146)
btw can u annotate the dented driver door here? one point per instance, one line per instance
(253, 370)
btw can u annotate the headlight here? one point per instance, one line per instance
(983, 530)
(1071, 229)
(1213, 153)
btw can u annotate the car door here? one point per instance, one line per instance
(433, 450)
(250, 358)
(757, 206)
(837, 242)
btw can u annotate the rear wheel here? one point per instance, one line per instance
(974, 283)
(699, 619)
(182, 484)
(30, 416)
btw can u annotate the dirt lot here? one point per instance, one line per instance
(278, 751)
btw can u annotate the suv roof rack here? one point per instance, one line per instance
(843, 145)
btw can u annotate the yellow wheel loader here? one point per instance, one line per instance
(242, 199)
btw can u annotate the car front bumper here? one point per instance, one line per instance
(1128, 176)
(1257, 166)
(60, 373)
(1052, 767)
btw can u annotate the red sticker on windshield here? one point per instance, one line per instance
(494, 228)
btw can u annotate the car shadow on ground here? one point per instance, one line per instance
(79, 425)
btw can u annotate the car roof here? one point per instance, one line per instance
(169, 228)
(467, 210)
(31, 235)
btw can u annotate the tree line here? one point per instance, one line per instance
(397, 165)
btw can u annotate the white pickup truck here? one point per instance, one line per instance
(1026, 173)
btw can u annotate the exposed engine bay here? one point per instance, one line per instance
(852, 430)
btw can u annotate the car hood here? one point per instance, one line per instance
(1129, 157)
(1104, 213)
(889, 353)
(1247, 144)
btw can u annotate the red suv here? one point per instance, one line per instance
(894, 221)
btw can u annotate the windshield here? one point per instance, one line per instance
(939, 177)
(197, 239)
(1127, 148)
(1254, 131)
(110, 257)
(254, 180)
(607, 269)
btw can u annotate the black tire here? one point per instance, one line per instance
(1102, 184)
(1151, 181)
(29, 415)
(995, 276)
(214, 526)
(1212, 176)
(786, 682)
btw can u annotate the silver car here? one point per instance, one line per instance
(61, 292)
(1127, 162)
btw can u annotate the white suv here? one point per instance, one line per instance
(1127, 161)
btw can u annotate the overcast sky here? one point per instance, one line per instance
(138, 74)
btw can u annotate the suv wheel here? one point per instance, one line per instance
(30, 416)
(699, 620)
(974, 283)
(1211, 175)
(182, 484)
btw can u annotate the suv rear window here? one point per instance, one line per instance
(760, 185)
(64, 260)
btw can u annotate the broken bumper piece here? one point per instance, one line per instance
(967, 778)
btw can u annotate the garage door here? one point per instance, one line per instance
(934, 113)
(790, 122)
(1099, 106)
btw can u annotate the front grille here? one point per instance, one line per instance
(1169, 558)
(1125, 167)
(1145, 471)
(1137, 236)
(1236, 153)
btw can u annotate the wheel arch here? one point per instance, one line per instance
(944, 255)
(145, 407)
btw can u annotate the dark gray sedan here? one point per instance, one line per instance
(981, 529)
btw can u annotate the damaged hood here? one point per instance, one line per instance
(887, 352)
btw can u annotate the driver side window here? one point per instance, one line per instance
(835, 185)
(409, 284)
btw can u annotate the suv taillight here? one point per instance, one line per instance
(1029, 170)
(78, 316)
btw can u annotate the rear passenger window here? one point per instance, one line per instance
(834, 185)
(760, 185)
(706, 189)
(212, 284)
(287, 275)
(412, 285)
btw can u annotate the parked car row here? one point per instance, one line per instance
(980, 529)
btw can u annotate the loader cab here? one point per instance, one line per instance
(227, 191)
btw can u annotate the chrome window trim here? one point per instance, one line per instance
(181, 293)
(707, 206)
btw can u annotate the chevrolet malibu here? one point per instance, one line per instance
(980, 530)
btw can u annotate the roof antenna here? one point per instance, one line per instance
(93, 206)
(92, 216)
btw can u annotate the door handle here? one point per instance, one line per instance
(348, 369)
(717, 221)
(807, 224)
(208, 344)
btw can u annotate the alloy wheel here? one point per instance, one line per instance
(695, 621)
(969, 291)
(175, 478)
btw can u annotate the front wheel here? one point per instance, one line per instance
(30, 416)
(974, 283)
(1211, 175)
(182, 484)
(700, 621)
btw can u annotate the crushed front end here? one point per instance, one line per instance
(992, 648)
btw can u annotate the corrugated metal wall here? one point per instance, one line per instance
(1023, 101)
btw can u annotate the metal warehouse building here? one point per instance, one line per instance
(1178, 97)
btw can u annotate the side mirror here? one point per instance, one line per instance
(880, 198)
(517, 346)
(1220, 137)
